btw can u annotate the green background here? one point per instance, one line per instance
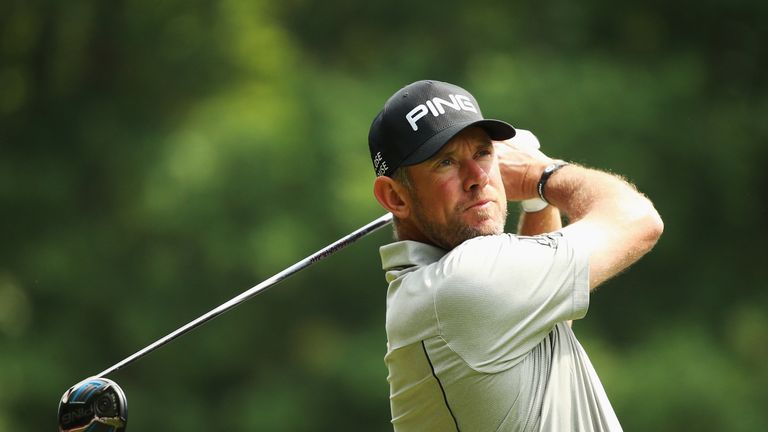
(159, 157)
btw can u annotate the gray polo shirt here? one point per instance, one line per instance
(477, 339)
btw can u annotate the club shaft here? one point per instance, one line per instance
(263, 286)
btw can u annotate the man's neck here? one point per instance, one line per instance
(406, 230)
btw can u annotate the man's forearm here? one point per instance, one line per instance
(609, 217)
(580, 192)
(539, 222)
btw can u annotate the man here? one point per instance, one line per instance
(478, 321)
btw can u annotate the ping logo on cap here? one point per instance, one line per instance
(436, 107)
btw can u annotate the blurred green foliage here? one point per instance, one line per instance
(158, 158)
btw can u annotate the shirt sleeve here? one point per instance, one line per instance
(499, 296)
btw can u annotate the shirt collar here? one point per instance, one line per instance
(408, 253)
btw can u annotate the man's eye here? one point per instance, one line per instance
(484, 153)
(445, 163)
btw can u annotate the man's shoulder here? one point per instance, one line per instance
(494, 269)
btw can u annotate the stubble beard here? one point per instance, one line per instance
(455, 231)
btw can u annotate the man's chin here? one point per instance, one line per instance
(453, 233)
(488, 230)
(467, 232)
(486, 226)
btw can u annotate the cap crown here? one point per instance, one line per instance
(420, 119)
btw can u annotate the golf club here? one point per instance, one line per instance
(98, 404)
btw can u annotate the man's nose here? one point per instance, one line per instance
(475, 176)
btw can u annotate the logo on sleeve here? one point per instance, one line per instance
(551, 239)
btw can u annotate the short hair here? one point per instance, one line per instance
(402, 176)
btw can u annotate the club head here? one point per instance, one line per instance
(93, 405)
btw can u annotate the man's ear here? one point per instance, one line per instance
(392, 196)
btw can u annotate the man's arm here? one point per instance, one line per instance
(609, 218)
(540, 222)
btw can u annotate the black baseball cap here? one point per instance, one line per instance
(419, 119)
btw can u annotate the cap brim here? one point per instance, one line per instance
(496, 129)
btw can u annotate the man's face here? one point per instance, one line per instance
(458, 194)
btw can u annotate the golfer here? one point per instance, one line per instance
(478, 320)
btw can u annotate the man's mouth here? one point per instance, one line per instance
(478, 204)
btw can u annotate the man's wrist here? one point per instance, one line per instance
(533, 205)
(548, 171)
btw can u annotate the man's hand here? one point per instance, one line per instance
(521, 164)
(514, 154)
